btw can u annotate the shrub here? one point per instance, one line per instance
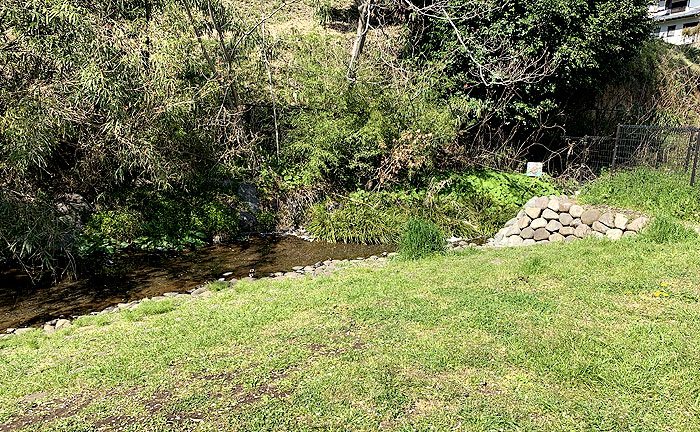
(420, 238)
(665, 229)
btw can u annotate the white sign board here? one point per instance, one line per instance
(534, 169)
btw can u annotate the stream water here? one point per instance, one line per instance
(142, 275)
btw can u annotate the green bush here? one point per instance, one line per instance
(420, 238)
(655, 191)
(469, 205)
(665, 229)
(120, 225)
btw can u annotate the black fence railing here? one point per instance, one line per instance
(673, 148)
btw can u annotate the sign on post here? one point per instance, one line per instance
(534, 169)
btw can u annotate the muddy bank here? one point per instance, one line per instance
(146, 275)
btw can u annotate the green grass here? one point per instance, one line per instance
(653, 191)
(591, 335)
(420, 239)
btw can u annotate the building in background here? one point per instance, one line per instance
(677, 21)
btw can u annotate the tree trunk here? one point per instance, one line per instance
(365, 9)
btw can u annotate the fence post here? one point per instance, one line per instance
(695, 161)
(617, 143)
(690, 147)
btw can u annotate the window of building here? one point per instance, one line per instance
(671, 31)
(690, 25)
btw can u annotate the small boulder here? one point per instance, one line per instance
(556, 237)
(614, 234)
(599, 227)
(511, 222)
(621, 221)
(553, 226)
(553, 205)
(582, 231)
(513, 230)
(576, 222)
(565, 219)
(527, 233)
(540, 202)
(541, 234)
(565, 206)
(533, 212)
(567, 231)
(576, 211)
(550, 214)
(538, 223)
(607, 219)
(524, 222)
(528, 242)
(590, 216)
(637, 224)
(515, 241)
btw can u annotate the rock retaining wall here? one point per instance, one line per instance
(561, 218)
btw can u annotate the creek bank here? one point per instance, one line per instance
(318, 269)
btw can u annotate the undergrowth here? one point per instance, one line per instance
(420, 238)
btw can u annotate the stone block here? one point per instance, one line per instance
(524, 222)
(533, 212)
(614, 234)
(599, 227)
(538, 223)
(528, 242)
(567, 231)
(637, 224)
(550, 214)
(590, 216)
(556, 237)
(541, 234)
(515, 241)
(527, 233)
(607, 219)
(576, 211)
(553, 205)
(553, 226)
(621, 221)
(582, 231)
(565, 219)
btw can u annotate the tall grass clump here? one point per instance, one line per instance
(420, 238)
(665, 229)
(655, 191)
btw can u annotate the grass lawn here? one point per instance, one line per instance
(590, 335)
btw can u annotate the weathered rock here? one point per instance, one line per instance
(590, 216)
(599, 227)
(553, 205)
(527, 233)
(565, 206)
(556, 237)
(541, 234)
(538, 223)
(621, 221)
(565, 219)
(576, 211)
(528, 242)
(607, 219)
(515, 240)
(567, 231)
(637, 224)
(582, 231)
(199, 291)
(23, 330)
(513, 230)
(550, 214)
(247, 221)
(533, 212)
(511, 222)
(543, 242)
(597, 234)
(576, 222)
(524, 222)
(553, 226)
(614, 234)
(540, 202)
(521, 213)
(629, 234)
(248, 193)
(570, 238)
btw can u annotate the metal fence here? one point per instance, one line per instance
(672, 148)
